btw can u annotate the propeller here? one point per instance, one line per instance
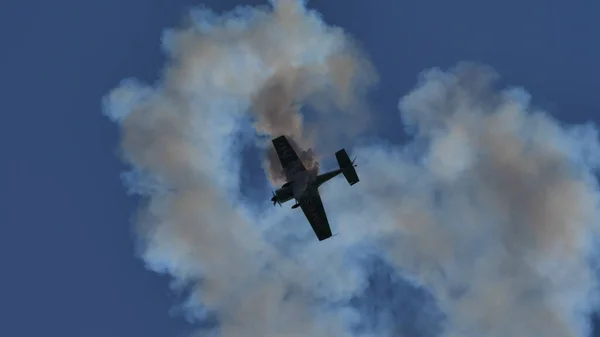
(274, 199)
(353, 162)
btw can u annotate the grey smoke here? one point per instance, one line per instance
(492, 206)
(266, 60)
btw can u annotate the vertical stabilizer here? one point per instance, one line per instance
(347, 166)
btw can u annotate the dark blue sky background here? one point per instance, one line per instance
(69, 267)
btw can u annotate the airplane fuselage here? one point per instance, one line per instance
(303, 183)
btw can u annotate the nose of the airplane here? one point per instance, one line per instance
(274, 200)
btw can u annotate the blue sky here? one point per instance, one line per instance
(69, 253)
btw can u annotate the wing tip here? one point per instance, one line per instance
(327, 236)
(279, 138)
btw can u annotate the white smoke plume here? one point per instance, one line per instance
(492, 206)
(266, 62)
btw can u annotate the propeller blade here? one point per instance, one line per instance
(274, 199)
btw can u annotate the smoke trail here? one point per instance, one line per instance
(492, 207)
(498, 214)
(179, 137)
(272, 60)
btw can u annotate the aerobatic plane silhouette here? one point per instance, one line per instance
(303, 186)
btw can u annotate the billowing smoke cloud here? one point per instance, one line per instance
(492, 206)
(270, 61)
(498, 216)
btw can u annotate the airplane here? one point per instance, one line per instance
(303, 186)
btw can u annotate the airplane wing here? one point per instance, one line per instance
(313, 209)
(287, 156)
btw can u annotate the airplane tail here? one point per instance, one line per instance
(347, 167)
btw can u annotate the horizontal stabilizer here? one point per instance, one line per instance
(347, 166)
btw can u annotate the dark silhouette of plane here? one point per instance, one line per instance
(303, 186)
